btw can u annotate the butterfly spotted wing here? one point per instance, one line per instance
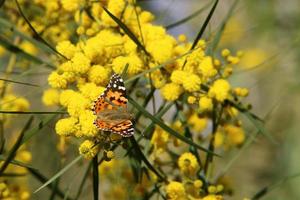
(111, 109)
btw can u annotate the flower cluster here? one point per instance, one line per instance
(187, 75)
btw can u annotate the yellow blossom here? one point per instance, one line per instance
(198, 123)
(159, 140)
(56, 80)
(50, 97)
(188, 164)
(206, 67)
(66, 48)
(29, 48)
(212, 197)
(191, 99)
(219, 90)
(66, 126)
(243, 92)
(198, 183)
(235, 135)
(175, 191)
(99, 74)
(71, 5)
(88, 149)
(191, 83)
(80, 63)
(177, 76)
(135, 64)
(171, 91)
(91, 91)
(86, 119)
(205, 103)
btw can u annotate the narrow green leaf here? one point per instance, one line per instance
(16, 162)
(14, 149)
(265, 190)
(221, 29)
(30, 133)
(13, 174)
(127, 31)
(60, 173)
(43, 179)
(145, 160)
(18, 82)
(7, 25)
(185, 19)
(211, 12)
(14, 49)
(36, 34)
(84, 178)
(167, 128)
(33, 112)
(95, 178)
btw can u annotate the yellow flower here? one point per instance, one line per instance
(225, 52)
(115, 7)
(235, 135)
(66, 97)
(51, 97)
(77, 104)
(188, 164)
(99, 74)
(243, 92)
(135, 64)
(159, 140)
(29, 48)
(191, 99)
(2, 51)
(66, 48)
(171, 91)
(198, 183)
(219, 139)
(206, 67)
(205, 103)
(71, 5)
(219, 90)
(57, 81)
(253, 58)
(197, 123)
(80, 63)
(86, 119)
(66, 127)
(108, 167)
(191, 83)
(177, 76)
(213, 197)
(175, 191)
(91, 91)
(88, 149)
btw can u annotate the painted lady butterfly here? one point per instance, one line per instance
(111, 109)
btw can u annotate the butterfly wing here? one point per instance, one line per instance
(113, 98)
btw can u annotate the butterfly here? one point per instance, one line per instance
(111, 109)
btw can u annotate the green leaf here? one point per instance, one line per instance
(30, 133)
(221, 29)
(18, 82)
(95, 178)
(36, 34)
(14, 149)
(85, 176)
(265, 190)
(33, 112)
(127, 31)
(211, 12)
(145, 160)
(14, 49)
(7, 25)
(60, 173)
(167, 128)
(43, 179)
(16, 162)
(185, 19)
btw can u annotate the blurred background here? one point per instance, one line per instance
(268, 34)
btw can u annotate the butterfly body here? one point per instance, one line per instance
(111, 109)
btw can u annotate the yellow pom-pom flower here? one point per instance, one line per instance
(175, 191)
(66, 127)
(135, 64)
(88, 149)
(188, 164)
(219, 90)
(205, 103)
(171, 91)
(51, 97)
(66, 48)
(197, 123)
(235, 135)
(206, 67)
(57, 81)
(99, 74)
(177, 76)
(191, 83)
